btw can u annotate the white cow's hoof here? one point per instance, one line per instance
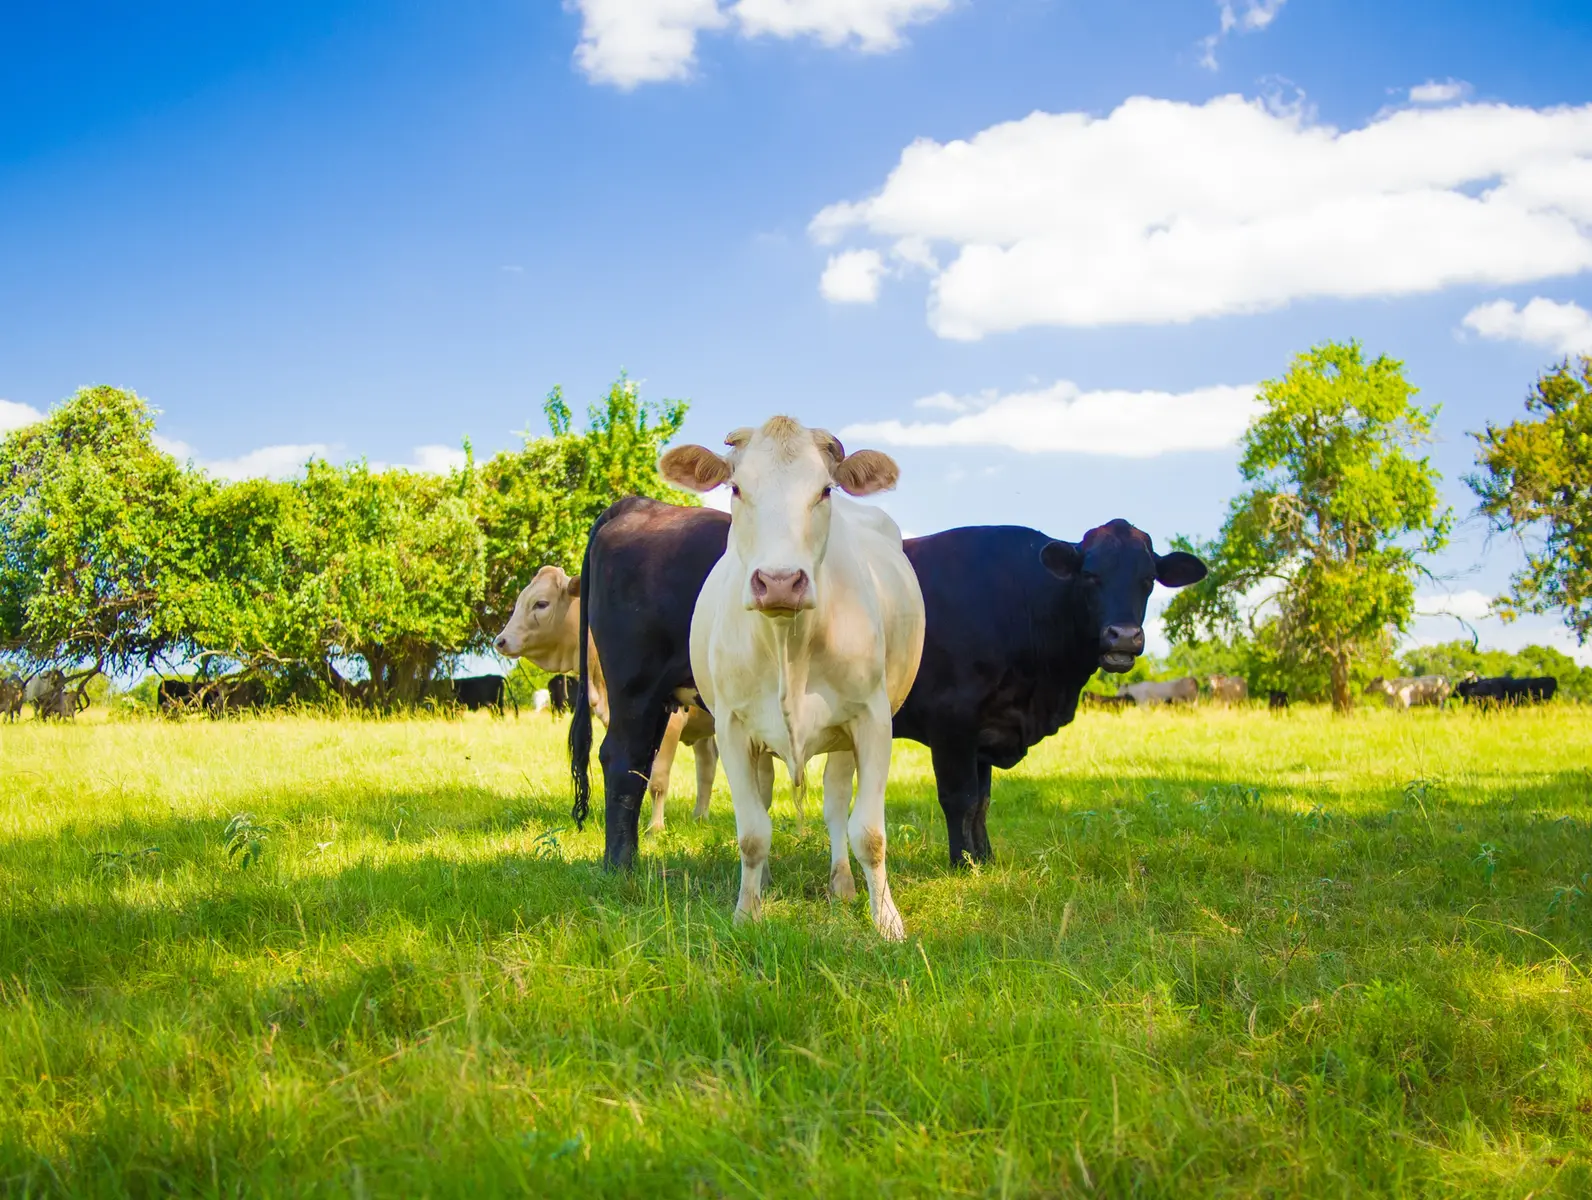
(745, 913)
(841, 885)
(889, 926)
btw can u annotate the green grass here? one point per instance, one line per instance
(1218, 954)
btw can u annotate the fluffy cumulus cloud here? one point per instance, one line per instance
(1433, 92)
(1250, 17)
(630, 42)
(15, 416)
(1064, 418)
(1564, 328)
(287, 461)
(1164, 211)
(852, 277)
(1468, 605)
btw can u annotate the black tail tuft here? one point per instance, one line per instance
(580, 718)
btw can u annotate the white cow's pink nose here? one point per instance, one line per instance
(780, 591)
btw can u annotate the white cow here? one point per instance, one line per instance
(1175, 691)
(805, 640)
(545, 628)
(1229, 689)
(1412, 690)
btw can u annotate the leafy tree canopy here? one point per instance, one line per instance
(1536, 482)
(1320, 555)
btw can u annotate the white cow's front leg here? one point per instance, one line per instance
(837, 807)
(871, 739)
(707, 762)
(754, 830)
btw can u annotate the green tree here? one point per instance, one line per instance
(536, 505)
(1330, 534)
(1535, 482)
(95, 541)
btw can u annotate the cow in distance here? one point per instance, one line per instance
(12, 693)
(481, 691)
(1172, 691)
(1229, 689)
(1506, 689)
(805, 640)
(545, 628)
(1407, 692)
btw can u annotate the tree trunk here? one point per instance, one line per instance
(1342, 698)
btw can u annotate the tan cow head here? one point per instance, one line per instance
(780, 478)
(545, 625)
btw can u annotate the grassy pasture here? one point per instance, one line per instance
(1219, 954)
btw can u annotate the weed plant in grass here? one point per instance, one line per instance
(1217, 954)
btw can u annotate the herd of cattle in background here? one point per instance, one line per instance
(803, 624)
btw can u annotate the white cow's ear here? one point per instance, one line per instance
(867, 472)
(572, 588)
(695, 468)
(1061, 559)
(830, 445)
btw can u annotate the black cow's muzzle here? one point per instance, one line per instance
(1119, 646)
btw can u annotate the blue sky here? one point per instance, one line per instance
(376, 228)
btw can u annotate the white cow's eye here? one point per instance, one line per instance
(735, 490)
(539, 605)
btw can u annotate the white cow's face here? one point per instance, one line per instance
(781, 477)
(541, 624)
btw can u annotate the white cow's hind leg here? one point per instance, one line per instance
(765, 792)
(663, 768)
(707, 762)
(837, 807)
(754, 831)
(871, 738)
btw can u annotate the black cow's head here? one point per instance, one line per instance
(1115, 568)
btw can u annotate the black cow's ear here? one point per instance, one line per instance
(1061, 559)
(1178, 569)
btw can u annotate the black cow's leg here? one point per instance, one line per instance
(634, 734)
(956, 776)
(981, 847)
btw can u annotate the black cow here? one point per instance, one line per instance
(481, 691)
(1017, 622)
(645, 564)
(1506, 689)
(174, 695)
(1114, 703)
(561, 692)
(1277, 701)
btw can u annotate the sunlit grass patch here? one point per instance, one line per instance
(1217, 953)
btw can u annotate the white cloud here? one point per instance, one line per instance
(1433, 92)
(1063, 418)
(15, 416)
(630, 42)
(268, 462)
(1255, 16)
(1563, 328)
(438, 460)
(872, 25)
(1469, 605)
(1164, 211)
(852, 277)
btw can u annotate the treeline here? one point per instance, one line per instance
(116, 558)
(1264, 669)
